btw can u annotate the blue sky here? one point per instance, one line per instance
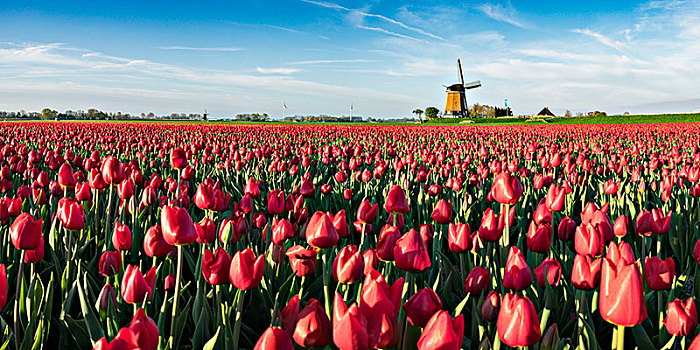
(385, 57)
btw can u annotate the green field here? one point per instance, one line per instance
(615, 119)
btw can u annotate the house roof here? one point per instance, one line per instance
(546, 111)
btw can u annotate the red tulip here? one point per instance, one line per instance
(442, 332)
(145, 330)
(246, 204)
(518, 324)
(506, 188)
(216, 266)
(622, 309)
(274, 338)
(206, 231)
(281, 230)
(659, 273)
(396, 202)
(110, 263)
(112, 172)
(552, 269)
(660, 224)
(275, 202)
(307, 188)
(556, 198)
(154, 244)
(443, 213)
(290, 315)
(65, 176)
(587, 241)
(421, 306)
(246, 271)
(252, 188)
(681, 317)
(136, 286)
(696, 252)
(35, 255)
(458, 237)
(95, 179)
(178, 159)
(313, 329)
(367, 213)
(3, 286)
(177, 226)
(477, 281)
(349, 326)
(378, 299)
(539, 237)
(302, 261)
(621, 226)
(121, 238)
(517, 274)
(642, 225)
(348, 265)
(340, 223)
(125, 189)
(204, 197)
(320, 232)
(71, 214)
(567, 228)
(586, 272)
(25, 232)
(82, 191)
(371, 260)
(488, 231)
(107, 296)
(410, 253)
(125, 340)
(491, 307)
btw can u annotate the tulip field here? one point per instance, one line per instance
(214, 236)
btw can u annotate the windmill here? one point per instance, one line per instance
(204, 117)
(456, 106)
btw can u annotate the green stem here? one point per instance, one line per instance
(20, 275)
(171, 339)
(239, 314)
(326, 291)
(621, 337)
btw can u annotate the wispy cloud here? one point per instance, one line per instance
(603, 39)
(277, 70)
(382, 30)
(333, 61)
(502, 13)
(191, 48)
(361, 13)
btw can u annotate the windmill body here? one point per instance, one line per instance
(456, 106)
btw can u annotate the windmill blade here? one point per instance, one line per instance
(461, 76)
(473, 84)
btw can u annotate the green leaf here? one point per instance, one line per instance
(641, 338)
(212, 342)
(91, 321)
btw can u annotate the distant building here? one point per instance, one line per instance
(545, 112)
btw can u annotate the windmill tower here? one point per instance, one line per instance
(456, 106)
(204, 116)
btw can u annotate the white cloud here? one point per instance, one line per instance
(359, 15)
(605, 40)
(333, 61)
(502, 13)
(190, 48)
(277, 70)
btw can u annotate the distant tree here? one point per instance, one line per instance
(48, 114)
(431, 112)
(626, 113)
(568, 114)
(419, 112)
